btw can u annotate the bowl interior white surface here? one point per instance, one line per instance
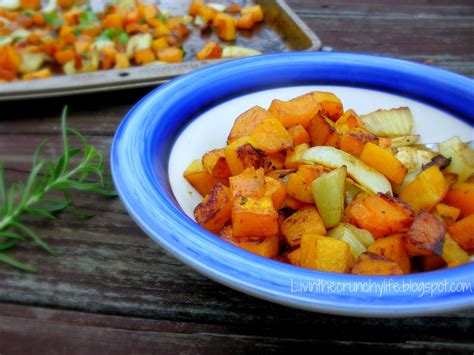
(209, 129)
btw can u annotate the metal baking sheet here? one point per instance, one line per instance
(282, 31)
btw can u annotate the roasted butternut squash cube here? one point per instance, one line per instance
(375, 265)
(276, 190)
(331, 105)
(294, 257)
(254, 217)
(431, 262)
(200, 179)
(463, 233)
(303, 221)
(293, 203)
(384, 162)
(382, 215)
(255, 11)
(247, 122)
(322, 132)
(325, 254)
(242, 154)
(215, 163)
(299, 110)
(425, 236)
(447, 214)
(452, 253)
(299, 135)
(294, 157)
(245, 22)
(211, 50)
(271, 136)
(355, 139)
(426, 191)
(251, 183)
(348, 120)
(215, 210)
(299, 183)
(267, 247)
(461, 195)
(274, 161)
(225, 24)
(392, 247)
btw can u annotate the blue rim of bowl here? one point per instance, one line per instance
(139, 162)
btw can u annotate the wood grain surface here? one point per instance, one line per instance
(113, 290)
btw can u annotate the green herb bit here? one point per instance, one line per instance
(53, 19)
(34, 198)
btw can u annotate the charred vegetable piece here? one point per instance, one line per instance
(276, 190)
(426, 235)
(215, 210)
(375, 265)
(381, 215)
(215, 163)
(440, 161)
(299, 183)
(303, 221)
(271, 136)
(355, 139)
(447, 214)
(347, 121)
(242, 154)
(462, 157)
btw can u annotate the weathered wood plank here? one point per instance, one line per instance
(45, 331)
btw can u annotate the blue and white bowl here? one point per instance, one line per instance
(180, 121)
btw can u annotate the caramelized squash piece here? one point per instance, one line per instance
(267, 247)
(294, 257)
(393, 248)
(215, 163)
(463, 233)
(303, 221)
(215, 210)
(347, 121)
(375, 265)
(299, 110)
(247, 122)
(331, 105)
(384, 162)
(325, 254)
(299, 135)
(355, 139)
(426, 191)
(432, 262)
(254, 217)
(211, 50)
(382, 215)
(200, 179)
(294, 158)
(299, 183)
(276, 190)
(447, 214)
(453, 254)
(461, 195)
(426, 235)
(251, 183)
(274, 161)
(242, 154)
(255, 11)
(271, 136)
(322, 132)
(225, 24)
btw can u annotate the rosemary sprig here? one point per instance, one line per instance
(34, 197)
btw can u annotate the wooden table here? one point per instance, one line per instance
(113, 290)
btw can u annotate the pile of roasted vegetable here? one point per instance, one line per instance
(308, 184)
(68, 37)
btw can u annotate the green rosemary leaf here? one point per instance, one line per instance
(53, 205)
(7, 245)
(40, 212)
(28, 231)
(30, 183)
(38, 152)
(13, 262)
(77, 185)
(80, 213)
(65, 139)
(10, 235)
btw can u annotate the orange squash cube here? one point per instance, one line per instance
(331, 105)
(355, 139)
(299, 135)
(392, 247)
(271, 136)
(211, 50)
(215, 163)
(243, 153)
(375, 265)
(384, 162)
(200, 179)
(322, 132)
(215, 210)
(245, 124)
(461, 195)
(325, 254)
(463, 233)
(299, 110)
(303, 221)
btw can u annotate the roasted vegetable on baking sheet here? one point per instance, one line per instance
(69, 37)
(307, 183)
